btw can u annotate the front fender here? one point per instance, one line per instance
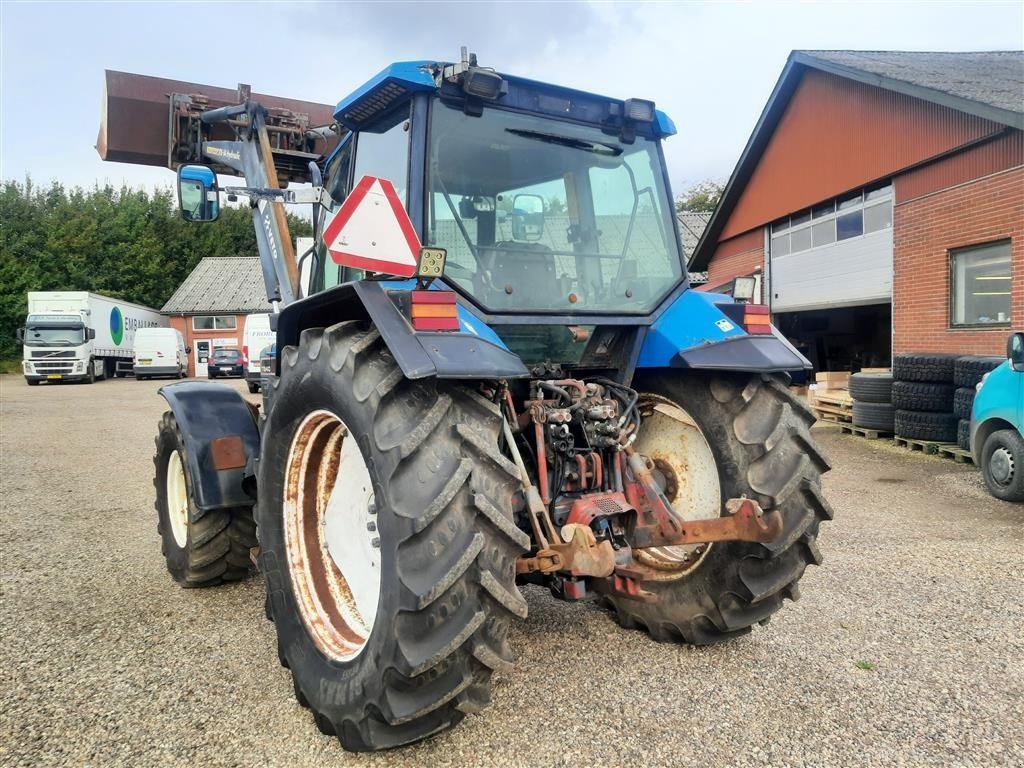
(475, 352)
(221, 439)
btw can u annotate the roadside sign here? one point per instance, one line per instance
(372, 230)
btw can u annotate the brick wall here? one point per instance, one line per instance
(925, 229)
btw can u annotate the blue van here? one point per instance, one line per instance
(997, 420)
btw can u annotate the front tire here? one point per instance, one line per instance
(202, 549)
(1002, 465)
(757, 439)
(440, 529)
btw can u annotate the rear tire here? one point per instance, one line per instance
(442, 499)
(1002, 465)
(202, 549)
(759, 436)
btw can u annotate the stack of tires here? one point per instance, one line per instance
(967, 372)
(872, 401)
(923, 391)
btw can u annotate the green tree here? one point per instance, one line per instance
(127, 243)
(702, 197)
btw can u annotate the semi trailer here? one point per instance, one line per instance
(80, 336)
(500, 377)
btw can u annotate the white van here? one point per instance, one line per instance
(160, 352)
(256, 335)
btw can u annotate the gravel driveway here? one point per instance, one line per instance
(906, 649)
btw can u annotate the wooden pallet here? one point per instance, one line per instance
(870, 434)
(925, 446)
(834, 417)
(956, 453)
(834, 399)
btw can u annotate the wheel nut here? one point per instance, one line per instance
(375, 543)
(371, 526)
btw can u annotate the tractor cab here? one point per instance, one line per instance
(546, 200)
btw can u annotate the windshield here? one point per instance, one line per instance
(55, 335)
(541, 215)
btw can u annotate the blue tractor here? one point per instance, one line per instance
(545, 400)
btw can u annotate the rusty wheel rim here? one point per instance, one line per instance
(330, 536)
(685, 469)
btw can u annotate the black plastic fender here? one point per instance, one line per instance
(767, 353)
(444, 355)
(206, 412)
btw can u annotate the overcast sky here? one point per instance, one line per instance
(711, 66)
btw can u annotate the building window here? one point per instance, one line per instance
(852, 215)
(980, 278)
(213, 322)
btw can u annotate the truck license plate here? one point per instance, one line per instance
(145, 361)
(53, 376)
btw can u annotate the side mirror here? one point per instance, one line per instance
(20, 333)
(198, 197)
(527, 218)
(90, 333)
(1015, 350)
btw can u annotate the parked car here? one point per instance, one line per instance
(226, 362)
(160, 352)
(997, 420)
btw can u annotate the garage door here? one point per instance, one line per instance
(836, 254)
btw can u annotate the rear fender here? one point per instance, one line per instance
(695, 333)
(221, 440)
(475, 352)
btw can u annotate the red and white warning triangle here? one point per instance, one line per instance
(372, 230)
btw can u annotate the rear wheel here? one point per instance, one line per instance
(711, 438)
(1002, 465)
(387, 541)
(202, 548)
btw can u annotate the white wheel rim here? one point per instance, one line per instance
(330, 536)
(669, 437)
(177, 499)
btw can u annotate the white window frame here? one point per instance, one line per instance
(868, 199)
(214, 324)
(954, 298)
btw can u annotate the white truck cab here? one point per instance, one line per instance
(256, 336)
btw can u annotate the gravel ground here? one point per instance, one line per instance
(905, 649)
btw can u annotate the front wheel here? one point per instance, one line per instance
(202, 548)
(712, 437)
(1002, 465)
(387, 541)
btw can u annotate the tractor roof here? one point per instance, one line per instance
(400, 81)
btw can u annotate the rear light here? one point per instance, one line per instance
(756, 319)
(434, 311)
(245, 354)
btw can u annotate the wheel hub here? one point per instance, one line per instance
(685, 469)
(177, 499)
(331, 535)
(1000, 466)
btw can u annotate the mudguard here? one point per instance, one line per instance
(474, 352)
(695, 333)
(219, 429)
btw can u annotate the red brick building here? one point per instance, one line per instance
(879, 204)
(210, 306)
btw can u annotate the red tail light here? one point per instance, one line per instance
(756, 319)
(434, 311)
(245, 354)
